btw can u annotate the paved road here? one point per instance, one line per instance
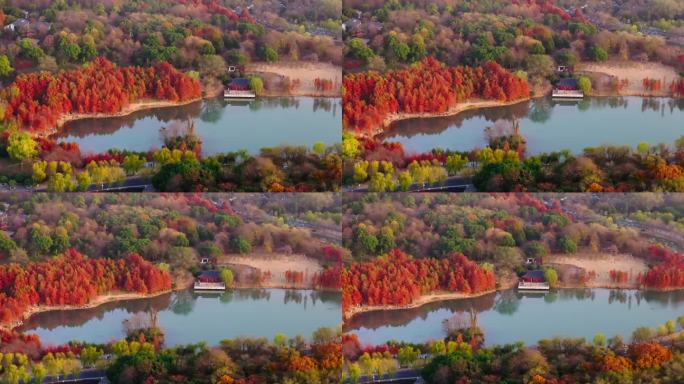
(401, 375)
(89, 375)
(670, 238)
(452, 184)
(131, 184)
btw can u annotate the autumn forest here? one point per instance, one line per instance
(342, 191)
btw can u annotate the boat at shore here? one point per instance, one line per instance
(527, 286)
(209, 281)
(567, 89)
(236, 94)
(533, 280)
(239, 88)
(567, 94)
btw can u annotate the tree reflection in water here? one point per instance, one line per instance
(209, 114)
(540, 110)
(226, 297)
(183, 302)
(435, 125)
(75, 318)
(293, 295)
(510, 302)
(326, 104)
(539, 119)
(212, 111)
(180, 303)
(507, 303)
(87, 127)
(395, 318)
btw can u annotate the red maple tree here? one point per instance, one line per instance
(37, 101)
(428, 86)
(73, 279)
(397, 279)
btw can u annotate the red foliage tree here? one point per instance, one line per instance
(214, 7)
(323, 84)
(332, 253)
(351, 346)
(653, 85)
(614, 363)
(429, 86)
(328, 355)
(73, 279)
(668, 272)
(13, 341)
(548, 7)
(619, 276)
(37, 101)
(294, 277)
(329, 278)
(649, 355)
(400, 279)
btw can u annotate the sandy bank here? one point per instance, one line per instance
(277, 264)
(601, 264)
(304, 71)
(633, 71)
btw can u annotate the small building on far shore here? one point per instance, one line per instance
(239, 88)
(209, 281)
(239, 84)
(567, 88)
(533, 280)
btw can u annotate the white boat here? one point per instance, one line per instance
(567, 94)
(200, 286)
(234, 94)
(529, 286)
(209, 281)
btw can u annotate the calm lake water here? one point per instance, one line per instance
(550, 125)
(222, 125)
(510, 316)
(189, 317)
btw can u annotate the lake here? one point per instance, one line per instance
(222, 125)
(189, 317)
(549, 125)
(510, 316)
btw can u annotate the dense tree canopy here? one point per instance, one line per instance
(399, 279)
(429, 86)
(73, 279)
(38, 101)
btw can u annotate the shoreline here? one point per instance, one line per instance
(594, 93)
(116, 296)
(304, 71)
(475, 104)
(109, 297)
(437, 297)
(277, 94)
(154, 104)
(452, 111)
(422, 300)
(130, 109)
(294, 287)
(467, 105)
